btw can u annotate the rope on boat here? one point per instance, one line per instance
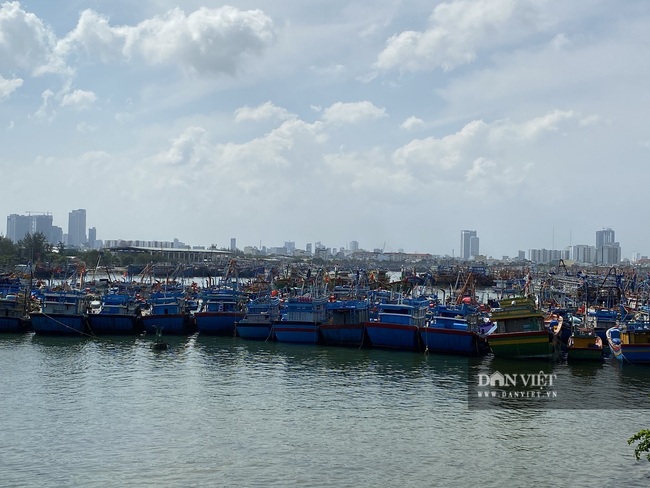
(83, 333)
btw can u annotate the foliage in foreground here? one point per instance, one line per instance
(643, 446)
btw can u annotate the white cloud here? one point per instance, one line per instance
(412, 123)
(352, 113)
(265, 111)
(458, 31)
(26, 43)
(206, 41)
(7, 87)
(79, 99)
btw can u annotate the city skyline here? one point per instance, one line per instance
(605, 251)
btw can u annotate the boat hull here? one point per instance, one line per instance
(217, 323)
(452, 341)
(628, 349)
(14, 325)
(297, 332)
(387, 335)
(113, 324)
(585, 348)
(58, 324)
(255, 332)
(352, 335)
(521, 345)
(173, 324)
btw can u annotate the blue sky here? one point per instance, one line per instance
(395, 124)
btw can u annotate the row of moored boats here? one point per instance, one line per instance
(515, 327)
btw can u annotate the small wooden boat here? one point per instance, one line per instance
(630, 343)
(584, 345)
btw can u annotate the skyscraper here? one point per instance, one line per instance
(18, 226)
(77, 228)
(605, 237)
(608, 251)
(468, 244)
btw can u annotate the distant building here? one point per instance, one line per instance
(544, 256)
(233, 243)
(582, 253)
(77, 228)
(469, 244)
(92, 238)
(354, 246)
(608, 251)
(18, 226)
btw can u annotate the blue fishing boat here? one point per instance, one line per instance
(345, 323)
(630, 343)
(398, 324)
(115, 313)
(302, 320)
(13, 316)
(220, 309)
(61, 313)
(261, 314)
(167, 313)
(455, 330)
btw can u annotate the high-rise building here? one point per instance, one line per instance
(354, 246)
(77, 228)
(18, 226)
(233, 243)
(605, 237)
(608, 251)
(468, 244)
(92, 238)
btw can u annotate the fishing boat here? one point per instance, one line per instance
(222, 305)
(630, 343)
(345, 323)
(115, 313)
(220, 309)
(584, 345)
(13, 316)
(455, 330)
(261, 314)
(398, 324)
(61, 313)
(166, 313)
(302, 320)
(520, 331)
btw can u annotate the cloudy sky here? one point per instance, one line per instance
(393, 123)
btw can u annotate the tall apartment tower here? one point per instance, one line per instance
(605, 237)
(608, 251)
(468, 244)
(77, 228)
(233, 244)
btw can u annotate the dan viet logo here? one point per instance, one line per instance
(530, 385)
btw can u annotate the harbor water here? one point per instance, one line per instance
(212, 411)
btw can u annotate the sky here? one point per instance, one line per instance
(395, 124)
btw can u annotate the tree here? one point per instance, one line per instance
(7, 251)
(643, 439)
(33, 247)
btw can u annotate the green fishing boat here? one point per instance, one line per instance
(520, 332)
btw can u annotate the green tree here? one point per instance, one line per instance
(8, 251)
(643, 446)
(34, 247)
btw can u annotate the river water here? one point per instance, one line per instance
(227, 412)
